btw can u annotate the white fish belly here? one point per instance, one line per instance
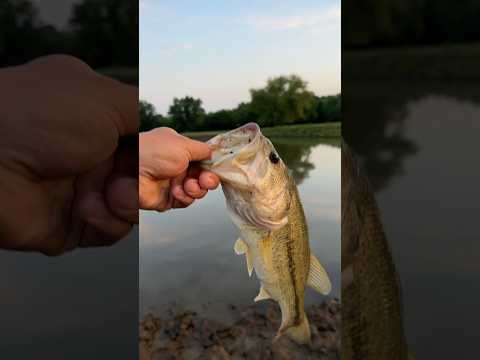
(264, 271)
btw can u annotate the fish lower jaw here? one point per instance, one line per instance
(237, 185)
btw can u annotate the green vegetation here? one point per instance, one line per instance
(288, 132)
(375, 23)
(439, 62)
(326, 130)
(186, 114)
(102, 33)
(284, 100)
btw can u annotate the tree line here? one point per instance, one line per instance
(367, 23)
(284, 100)
(101, 32)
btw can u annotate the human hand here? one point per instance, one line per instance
(168, 176)
(64, 179)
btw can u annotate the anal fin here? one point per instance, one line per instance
(262, 294)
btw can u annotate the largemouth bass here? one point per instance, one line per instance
(263, 202)
(371, 310)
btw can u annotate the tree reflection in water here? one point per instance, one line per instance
(295, 153)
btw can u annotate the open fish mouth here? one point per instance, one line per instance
(241, 144)
(241, 159)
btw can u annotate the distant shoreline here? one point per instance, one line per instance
(317, 130)
(413, 63)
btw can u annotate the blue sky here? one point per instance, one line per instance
(217, 50)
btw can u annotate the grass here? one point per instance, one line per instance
(306, 141)
(324, 130)
(439, 62)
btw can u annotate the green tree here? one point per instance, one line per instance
(22, 36)
(243, 114)
(329, 109)
(186, 113)
(284, 100)
(106, 32)
(218, 120)
(149, 119)
(367, 22)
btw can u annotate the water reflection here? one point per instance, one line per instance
(296, 152)
(375, 129)
(375, 121)
(187, 257)
(418, 145)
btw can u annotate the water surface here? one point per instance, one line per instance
(81, 305)
(420, 147)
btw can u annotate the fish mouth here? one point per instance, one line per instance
(242, 142)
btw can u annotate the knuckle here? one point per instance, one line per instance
(63, 62)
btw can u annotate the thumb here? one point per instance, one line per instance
(198, 150)
(124, 100)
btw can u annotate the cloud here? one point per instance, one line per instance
(176, 49)
(317, 19)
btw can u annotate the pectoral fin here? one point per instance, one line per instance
(317, 277)
(242, 248)
(262, 295)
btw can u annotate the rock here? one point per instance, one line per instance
(216, 353)
(193, 352)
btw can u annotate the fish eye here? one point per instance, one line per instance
(274, 157)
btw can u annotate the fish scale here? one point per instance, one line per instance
(291, 247)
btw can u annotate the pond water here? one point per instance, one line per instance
(82, 305)
(419, 145)
(187, 257)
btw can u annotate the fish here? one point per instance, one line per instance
(262, 200)
(372, 321)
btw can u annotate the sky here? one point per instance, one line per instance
(218, 50)
(54, 12)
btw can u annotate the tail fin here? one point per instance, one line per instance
(299, 333)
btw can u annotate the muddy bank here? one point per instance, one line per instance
(247, 333)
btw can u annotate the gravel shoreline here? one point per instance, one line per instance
(248, 334)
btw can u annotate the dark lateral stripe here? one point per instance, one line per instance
(291, 270)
